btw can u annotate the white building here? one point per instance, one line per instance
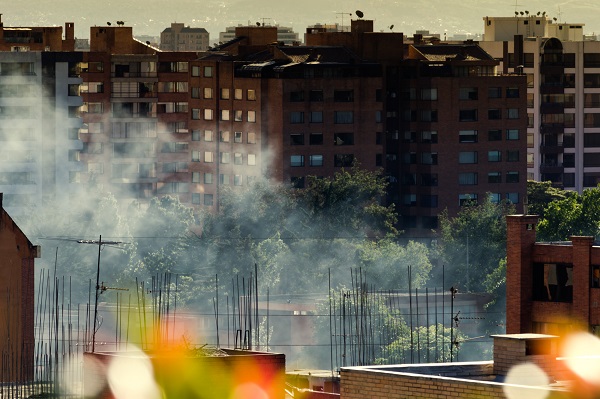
(183, 38)
(39, 124)
(563, 95)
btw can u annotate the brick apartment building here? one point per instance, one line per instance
(438, 119)
(17, 256)
(551, 287)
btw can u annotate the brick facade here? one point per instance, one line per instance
(536, 301)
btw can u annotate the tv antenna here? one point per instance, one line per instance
(343, 14)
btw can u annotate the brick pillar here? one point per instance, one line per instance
(582, 249)
(520, 239)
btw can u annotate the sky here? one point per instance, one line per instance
(150, 17)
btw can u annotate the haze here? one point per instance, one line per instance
(150, 17)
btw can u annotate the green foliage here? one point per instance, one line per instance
(541, 194)
(473, 243)
(575, 214)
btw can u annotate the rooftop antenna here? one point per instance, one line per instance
(342, 14)
(108, 23)
(559, 15)
(392, 27)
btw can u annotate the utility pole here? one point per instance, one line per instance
(100, 243)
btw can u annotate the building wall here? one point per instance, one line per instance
(527, 310)
(17, 256)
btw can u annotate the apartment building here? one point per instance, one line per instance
(563, 80)
(179, 37)
(285, 34)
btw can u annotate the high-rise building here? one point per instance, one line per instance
(562, 94)
(179, 37)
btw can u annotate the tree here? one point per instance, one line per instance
(473, 243)
(574, 215)
(541, 194)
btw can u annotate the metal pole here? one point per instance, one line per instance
(96, 301)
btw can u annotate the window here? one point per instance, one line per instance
(251, 116)
(467, 157)
(494, 114)
(238, 115)
(296, 160)
(225, 157)
(251, 138)
(467, 136)
(512, 113)
(512, 134)
(316, 95)
(316, 117)
(237, 158)
(467, 115)
(224, 179)
(208, 135)
(224, 114)
(429, 94)
(251, 159)
(297, 139)
(195, 177)
(238, 94)
(494, 177)
(296, 96)
(208, 93)
(495, 198)
(495, 135)
(494, 92)
(208, 114)
(208, 199)
(343, 160)
(467, 179)
(208, 178)
(429, 158)
(238, 137)
(208, 156)
(512, 92)
(343, 117)
(512, 156)
(428, 136)
(296, 117)
(467, 93)
(512, 177)
(315, 160)
(429, 115)
(343, 96)
(494, 156)
(251, 95)
(429, 201)
(195, 156)
(408, 137)
(195, 70)
(225, 93)
(195, 198)
(409, 179)
(343, 139)
(409, 200)
(467, 199)
(429, 179)
(409, 158)
(513, 197)
(208, 72)
(237, 180)
(224, 136)
(316, 139)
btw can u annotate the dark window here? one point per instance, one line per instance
(512, 92)
(494, 177)
(343, 96)
(296, 96)
(316, 95)
(467, 115)
(494, 114)
(343, 160)
(512, 156)
(512, 177)
(467, 93)
(343, 117)
(550, 282)
(316, 139)
(296, 139)
(343, 139)
(429, 179)
(495, 92)
(429, 201)
(494, 135)
(467, 136)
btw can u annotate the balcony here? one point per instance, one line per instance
(551, 148)
(551, 168)
(552, 128)
(552, 108)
